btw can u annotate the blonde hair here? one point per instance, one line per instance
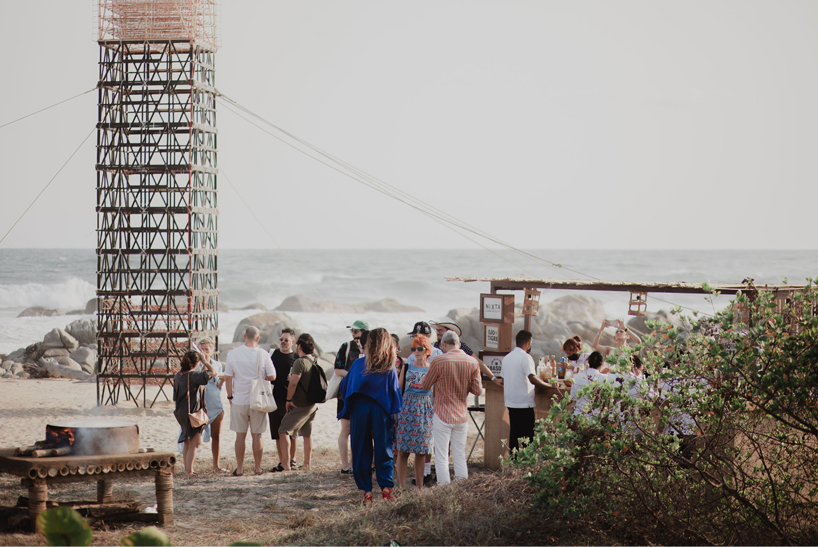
(205, 341)
(380, 351)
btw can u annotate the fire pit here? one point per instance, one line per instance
(85, 451)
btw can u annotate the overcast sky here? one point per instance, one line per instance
(548, 124)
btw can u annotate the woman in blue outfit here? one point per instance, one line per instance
(372, 398)
(413, 431)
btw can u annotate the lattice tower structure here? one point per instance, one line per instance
(157, 209)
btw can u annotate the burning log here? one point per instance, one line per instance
(51, 452)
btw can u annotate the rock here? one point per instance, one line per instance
(84, 330)
(663, 316)
(17, 356)
(16, 369)
(91, 306)
(388, 305)
(53, 340)
(255, 306)
(303, 303)
(88, 368)
(7, 375)
(56, 353)
(39, 311)
(575, 307)
(84, 356)
(69, 363)
(55, 370)
(7, 364)
(270, 325)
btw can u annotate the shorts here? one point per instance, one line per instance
(275, 420)
(298, 421)
(241, 417)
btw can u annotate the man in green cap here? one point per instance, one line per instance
(347, 355)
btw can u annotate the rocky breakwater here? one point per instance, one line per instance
(64, 353)
(557, 321)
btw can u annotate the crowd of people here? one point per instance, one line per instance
(388, 408)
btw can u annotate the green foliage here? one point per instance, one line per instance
(147, 536)
(717, 444)
(64, 526)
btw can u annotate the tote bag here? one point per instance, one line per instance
(198, 418)
(261, 390)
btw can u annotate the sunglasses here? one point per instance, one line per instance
(285, 340)
(419, 348)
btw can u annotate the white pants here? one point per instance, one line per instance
(443, 433)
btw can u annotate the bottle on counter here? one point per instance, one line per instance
(569, 370)
(561, 369)
(541, 374)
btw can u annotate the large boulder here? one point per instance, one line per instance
(387, 305)
(69, 363)
(59, 338)
(662, 316)
(91, 306)
(39, 311)
(255, 306)
(56, 353)
(84, 356)
(269, 324)
(83, 330)
(303, 303)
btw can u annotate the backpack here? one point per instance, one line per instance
(317, 388)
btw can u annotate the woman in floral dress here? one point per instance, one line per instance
(413, 432)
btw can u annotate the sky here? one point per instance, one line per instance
(546, 124)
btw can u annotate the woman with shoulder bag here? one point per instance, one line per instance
(189, 398)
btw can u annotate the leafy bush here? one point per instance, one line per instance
(718, 443)
(64, 526)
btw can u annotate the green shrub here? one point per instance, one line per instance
(721, 447)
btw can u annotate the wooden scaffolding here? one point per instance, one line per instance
(157, 210)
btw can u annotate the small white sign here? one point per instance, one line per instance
(493, 336)
(493, 308)
(495, 364)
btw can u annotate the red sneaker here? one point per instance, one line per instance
(387, 494)
(368, 497)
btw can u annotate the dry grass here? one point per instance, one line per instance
(322, 507)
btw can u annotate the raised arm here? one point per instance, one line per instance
(604, 350)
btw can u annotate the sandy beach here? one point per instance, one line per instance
(27, 406)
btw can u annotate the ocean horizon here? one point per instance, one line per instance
(66, 279)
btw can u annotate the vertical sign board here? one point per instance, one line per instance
(494, 361)
(497, 337)
(497, 308)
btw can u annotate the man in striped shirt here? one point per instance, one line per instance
(453, 375)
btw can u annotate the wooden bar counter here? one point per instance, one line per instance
(496, 426)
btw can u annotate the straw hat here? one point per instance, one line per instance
(446, 322)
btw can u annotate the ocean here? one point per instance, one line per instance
(66, 279)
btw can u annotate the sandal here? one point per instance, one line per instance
(236, 473)
(293, 464)
(368, 497)
(387, 494)
(277, 468)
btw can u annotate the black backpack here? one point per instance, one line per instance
(317, 388)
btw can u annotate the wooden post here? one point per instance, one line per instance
(37, 500)
(105, 489)
(164, 496)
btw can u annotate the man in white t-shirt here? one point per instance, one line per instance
(519, 379)
(243, 364)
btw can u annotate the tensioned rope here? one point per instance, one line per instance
(381, 186)
(47, 185)
(48, 107)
